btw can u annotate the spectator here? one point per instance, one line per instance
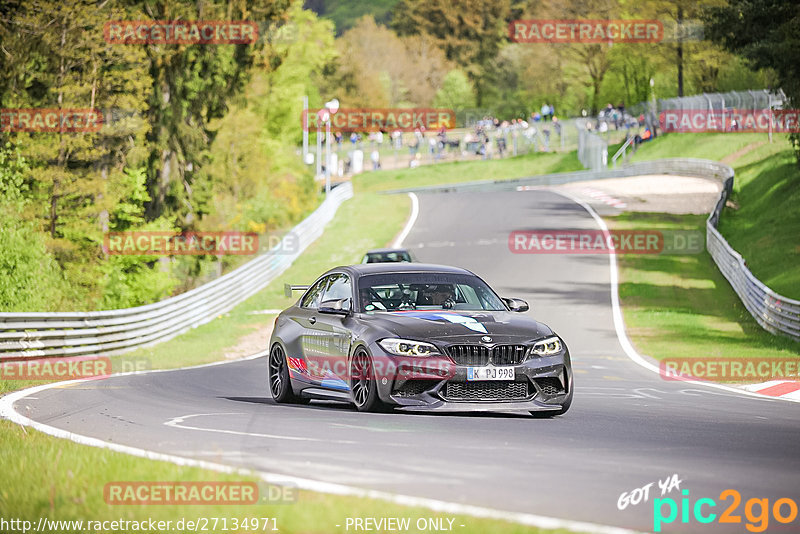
(501, 145)
(556, 125)
(376, 159)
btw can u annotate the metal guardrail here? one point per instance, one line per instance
(623, 151)
(36, 335)
(775, 313)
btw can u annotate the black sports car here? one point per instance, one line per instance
(417, 337)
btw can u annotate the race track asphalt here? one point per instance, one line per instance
(627, 427)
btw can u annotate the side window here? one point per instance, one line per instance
(339, 288)
(312, 298)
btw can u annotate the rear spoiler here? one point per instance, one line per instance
(288, 288)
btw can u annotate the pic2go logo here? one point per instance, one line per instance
(757, 511)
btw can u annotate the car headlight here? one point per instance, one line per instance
(407, 347)
(547, 347)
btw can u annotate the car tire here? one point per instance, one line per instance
(363, 384)
(280, 385)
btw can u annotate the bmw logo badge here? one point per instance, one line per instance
(486, 339)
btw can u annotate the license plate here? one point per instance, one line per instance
(490, 373)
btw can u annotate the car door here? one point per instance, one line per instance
(311, 343)
(333, 332)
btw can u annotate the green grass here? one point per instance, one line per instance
(765, 229)
(61, 480)
(714, 146)
(466, 171)
(680, 306)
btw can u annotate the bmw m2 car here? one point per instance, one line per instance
(416, 337)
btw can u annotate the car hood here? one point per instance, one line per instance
(460, 326)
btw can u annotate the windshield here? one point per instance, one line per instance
(426, 291)
(387, 257)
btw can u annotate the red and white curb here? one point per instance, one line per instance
(605, 198)
(785, 389)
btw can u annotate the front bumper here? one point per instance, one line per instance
(437, 384)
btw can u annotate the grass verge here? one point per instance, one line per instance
(63, 481)
(467, 171)
(765, 228)
(680, 306)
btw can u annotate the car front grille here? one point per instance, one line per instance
(485, 391)
(482, 355)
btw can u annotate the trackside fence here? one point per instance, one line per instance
(38, 335)
(775, 313)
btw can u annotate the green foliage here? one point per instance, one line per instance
(155, 163)
(31, 279)
(456, 92)
(470, 32)
(345, 13)
(767, 34)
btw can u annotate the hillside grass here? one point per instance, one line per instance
(467, 171)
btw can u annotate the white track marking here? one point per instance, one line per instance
(619, 322)
(7, 411)
(176, 422)
(398, 243)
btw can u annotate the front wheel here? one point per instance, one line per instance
(279, 384)
(363, 383)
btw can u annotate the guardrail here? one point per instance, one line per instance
(775, 313)
(36, 335)
(623, 151)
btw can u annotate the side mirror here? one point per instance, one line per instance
(336, 307)
(517, 305)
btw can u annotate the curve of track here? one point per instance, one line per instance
(627, 427)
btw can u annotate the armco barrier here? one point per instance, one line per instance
(775, 313)
(36, 335)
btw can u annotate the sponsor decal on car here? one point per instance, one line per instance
(464, 320)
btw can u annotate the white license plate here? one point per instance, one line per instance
(490, 373)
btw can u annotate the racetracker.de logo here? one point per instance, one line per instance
(50, 120)
(181, 493)
(585, 31)
(730, 120)
(57, 368)
(585, 242)
(730, 369)
(186, 243)
(601, 242)
(186, 32)
(381, 119)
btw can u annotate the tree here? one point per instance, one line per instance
(767, 34)
(414, 71)
(456, 92)
(470, 32)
